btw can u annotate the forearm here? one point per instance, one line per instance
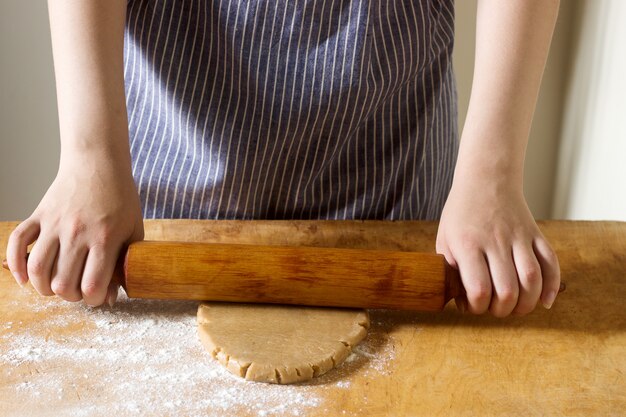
(91, 210)
(87, 42)
(512, 42)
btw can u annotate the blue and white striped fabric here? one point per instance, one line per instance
(291, 109)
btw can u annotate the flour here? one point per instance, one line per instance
(144, 356)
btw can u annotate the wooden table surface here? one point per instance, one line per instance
(570, 360)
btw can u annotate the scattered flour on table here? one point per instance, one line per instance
(144, 356)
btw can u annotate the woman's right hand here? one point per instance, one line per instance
(91, 210)
(88, 215)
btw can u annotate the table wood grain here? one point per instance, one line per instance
(570, 360)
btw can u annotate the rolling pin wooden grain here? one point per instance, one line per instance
(313, 276)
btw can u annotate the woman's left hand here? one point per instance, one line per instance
(488, 233)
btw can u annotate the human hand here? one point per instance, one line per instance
(488, 233)
(89, 213)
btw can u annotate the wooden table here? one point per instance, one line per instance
(570, 360)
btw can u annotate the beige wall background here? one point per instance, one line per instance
(29, 139)
(29, 130)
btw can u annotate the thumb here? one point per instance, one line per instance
(112, 291)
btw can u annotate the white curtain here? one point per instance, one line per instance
(591, 175)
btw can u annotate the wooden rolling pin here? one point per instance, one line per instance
(290, 275)
(332, 277)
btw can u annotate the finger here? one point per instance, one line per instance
(112, 292)
(41, 262)
(505, 282)
(22, 236)
(97, 275)
(476, 281)
(68, 270)
(550, 270)
(530, 279)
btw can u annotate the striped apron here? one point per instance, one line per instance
(291, 109)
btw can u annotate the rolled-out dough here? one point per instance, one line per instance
(279, 344)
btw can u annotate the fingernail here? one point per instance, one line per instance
(547, 303)
(111, 298)
(21, 281)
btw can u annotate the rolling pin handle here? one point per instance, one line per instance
(119, 273)
(453, 284)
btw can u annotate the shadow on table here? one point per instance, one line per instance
(593, 303)
(153, 308)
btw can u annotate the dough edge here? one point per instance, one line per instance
(281, 374)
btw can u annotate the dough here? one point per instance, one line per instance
(279, 344)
